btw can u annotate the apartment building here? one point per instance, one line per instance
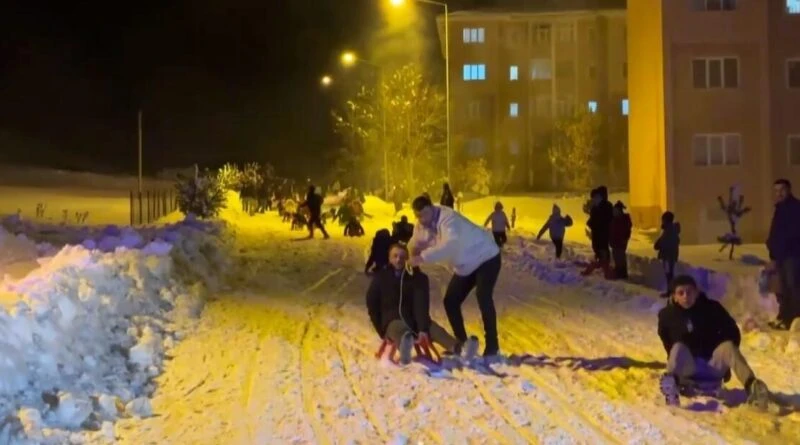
(515, 69)
(714, 89)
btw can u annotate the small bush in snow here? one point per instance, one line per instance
(229, 177)
(200, 195)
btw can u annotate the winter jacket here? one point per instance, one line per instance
(701, 328)
(668, 244)
(402, 231)
(784, 231)
(379, 252)
(621, 227)
(499, 221)
(556, 224)
(600, 224)
(447, 199)
(314, 204)
(455, 240)
(386, 302)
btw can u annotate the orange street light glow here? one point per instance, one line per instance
(349, 58)
(326, 80)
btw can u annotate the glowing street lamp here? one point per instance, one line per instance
(326, 81)
(349, 58)
(441, 4)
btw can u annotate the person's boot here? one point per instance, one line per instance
(492, 348)
(589, 269)
(758, 394)
(406, 347)
(670, 390)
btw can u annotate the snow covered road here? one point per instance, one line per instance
(287, 357)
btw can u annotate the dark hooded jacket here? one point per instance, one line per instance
(314, 203)
(621, 228)
(701, 328)
(386, 302)
(668, 244)
(784, 231)
(379, 252)
(600, 222)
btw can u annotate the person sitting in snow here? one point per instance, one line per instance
(379, 251)
(621, 227)
(399, 307)
(599, 223)
(668, 245)
(353, 228)
(402, 230)
(557, 227)
(500, 224)
(702, 343)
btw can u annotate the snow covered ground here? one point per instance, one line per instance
(286, 356)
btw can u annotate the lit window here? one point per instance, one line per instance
(717, 72)
(793, 73)
(513, 72)
(513, 109)
(593, 106)
(714, 5)
(717, 149)
(793, 6)
(474, 72)
(625, 107)
(474, 35)
(541, 69)
(794, 149)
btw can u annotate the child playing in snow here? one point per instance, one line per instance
(499, 224)
(557, 225)
(668, 245)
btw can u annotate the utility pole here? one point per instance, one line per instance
(140, 152)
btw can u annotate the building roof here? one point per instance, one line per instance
(543, 6)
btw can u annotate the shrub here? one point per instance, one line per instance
(200, 195)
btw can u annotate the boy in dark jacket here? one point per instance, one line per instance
(599, 223)
(668, 245)
(399, 307)
(621, 227)
(379, 252)
(702, 343)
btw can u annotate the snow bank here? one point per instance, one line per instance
(93, 322)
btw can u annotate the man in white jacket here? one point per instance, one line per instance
(443, 235)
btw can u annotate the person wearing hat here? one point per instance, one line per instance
(702, 343)
(621, 226)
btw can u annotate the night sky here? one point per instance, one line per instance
(218, 80)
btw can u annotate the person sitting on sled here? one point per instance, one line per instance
(399, 307)
(702, 343)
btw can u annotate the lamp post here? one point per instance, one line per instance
(348, 59)
(399, 3)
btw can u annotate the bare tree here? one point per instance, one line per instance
(573, 150)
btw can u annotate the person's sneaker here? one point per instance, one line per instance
(758, 395)
(470, 348)
(406, 346)
(669, 388)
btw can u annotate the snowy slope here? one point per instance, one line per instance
(302, 369)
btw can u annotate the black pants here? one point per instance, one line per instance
(669, 271)
(397, 329)
(483, 279)
(500, 238)
(559, 244)
(789, 296)
(620, 256)
(315, 221)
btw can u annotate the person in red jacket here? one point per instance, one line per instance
(621, 226)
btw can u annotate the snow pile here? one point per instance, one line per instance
(15, 249)
(89, 333)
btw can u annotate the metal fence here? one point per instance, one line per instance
(148, 206)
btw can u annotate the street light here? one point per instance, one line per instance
(399, 3)
(326, 81)
(348, 59)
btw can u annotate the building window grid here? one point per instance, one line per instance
(793, 73)
(706, 80)
(513, 109)
(566, 33)
(793, 149)
(793, 6)
(513, 72)
(474, 72)
(474, 35)
(541, 69)
(543, 33)
(717, 149)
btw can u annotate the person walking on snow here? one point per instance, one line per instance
(447, 196)
(783, 244)
(399, 307)
(402, 230)
(500, 224)
(668, 245)
(621, 227)
(443, 235)
(313, 203)
(599, 223)
(557, 227)
(702, 343)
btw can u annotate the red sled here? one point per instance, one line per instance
(424, 349)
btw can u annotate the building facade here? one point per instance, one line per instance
(515, 71)
(714, 88)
